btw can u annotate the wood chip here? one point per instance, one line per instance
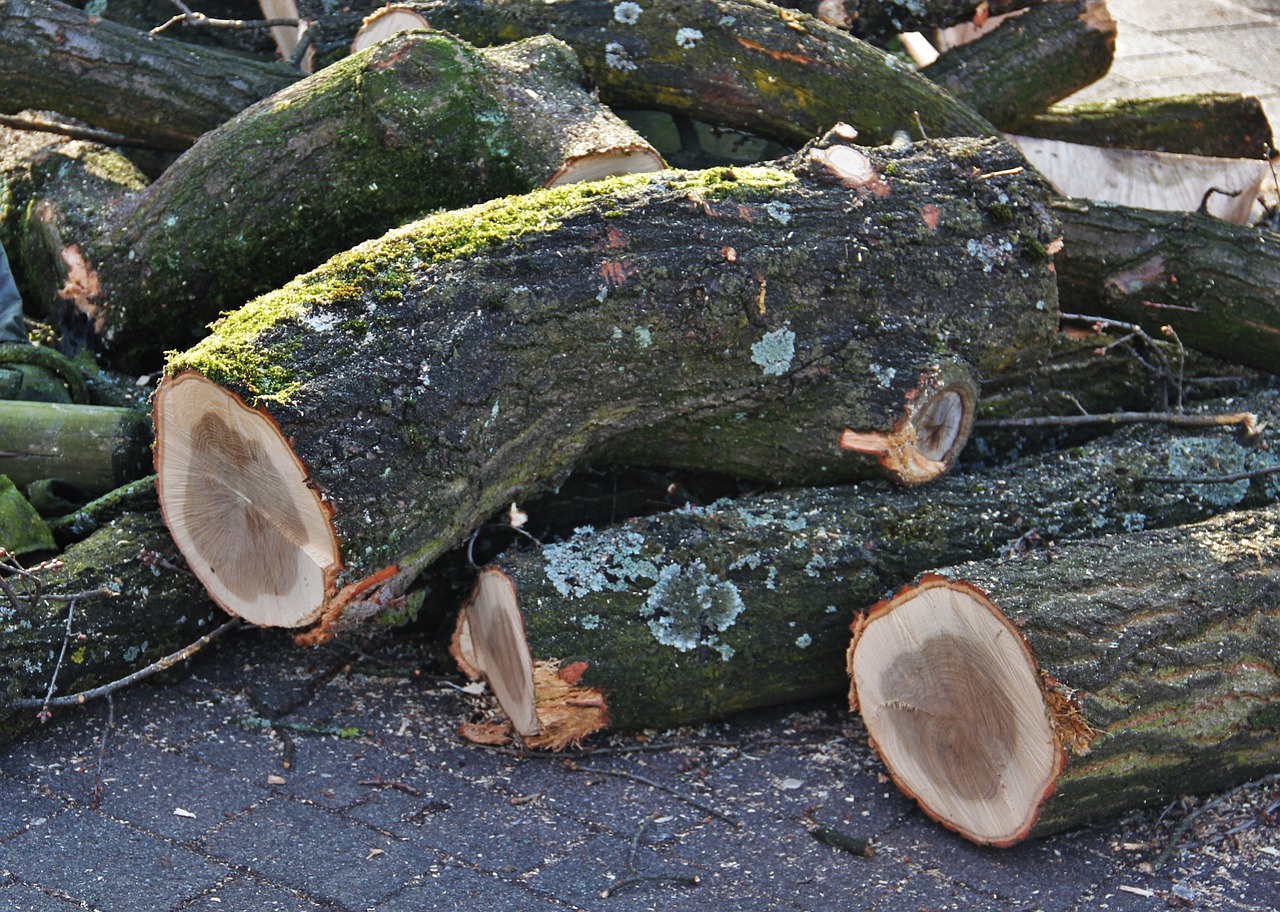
(183, 812)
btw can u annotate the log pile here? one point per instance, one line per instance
(450, 276)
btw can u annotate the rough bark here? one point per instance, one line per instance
(486, 352)
(1216, 284)
(155, 610)
(738, 63)
(421, 122)
(1031, 61)
(1160, 650)
(98, 448)
(878, 21)
(168, 93)
(1217, 125)
(693, 614)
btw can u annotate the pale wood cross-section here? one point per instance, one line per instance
(952, 700)
(237, 501)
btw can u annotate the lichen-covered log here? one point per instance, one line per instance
(96, 447)
(1159, 656)
(1030, 61)
(745, 64)
(1216, 284)
(418, 123)
(690, 615)
(426, 379)
(1217, 125)
(150, 607)
(164, 92)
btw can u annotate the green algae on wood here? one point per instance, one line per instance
(429, 378)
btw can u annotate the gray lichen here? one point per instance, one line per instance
(775, 352)
(688, 605)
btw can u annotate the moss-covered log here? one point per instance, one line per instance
(98, 448)
(418, 123)
(1216, 284)
(134, 604)
(164, 92)
(1216, 125)
(1159, 656)
(1030, 61)
(751, 316)
(739, 63)
(690, 615)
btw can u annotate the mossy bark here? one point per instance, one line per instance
(1031, 61)
(693, 614)
(160, 91)
(1216, 284)
(485, 353)
(737, 63)
(156, 610)
(1217, 125)
(1163, 651)
(98, 448)
(418, 123)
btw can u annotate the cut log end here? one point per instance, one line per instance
(607, 163)
(237, 502)
(953, 701)
(547, 705)
(933, 430)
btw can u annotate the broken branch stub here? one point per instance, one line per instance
(429, 378)
(952, 701)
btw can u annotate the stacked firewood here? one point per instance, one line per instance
(988, 454)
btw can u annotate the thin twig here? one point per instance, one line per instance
(102, 752)
(623, 774)
(1210, 479)
(1185, 824)
(1247, 420)
(154, 668)
(44, 714)
(40, 125)
(630, 877)
(201, 20)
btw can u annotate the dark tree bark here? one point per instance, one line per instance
(878, 21)
(737, 63)
(1160, 655)
(1031, 61)
(487, 352)
(165, 92)
(1216, 284)
(419, 123)
(696, 613)
(1223, 126)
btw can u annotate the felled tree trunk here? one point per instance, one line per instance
(418, 123)
(163, 92)
(133, 605)
(737, 63)
(693, 614)
(98, 448)
(1022, 697)
(1216, 284)
(1030, 61)
(484, 353)
(1218, 125)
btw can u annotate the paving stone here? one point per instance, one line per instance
(17, 897)
(455, 888)
(243, 894)
(22, 808)
(109, 865)
(319, 853)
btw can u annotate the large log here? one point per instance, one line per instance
(693, 614)
(1030, 61)
(1022, 697)
(756, 316)
(164, 92)
(418, 123)
(1216, 284)
(738, 63)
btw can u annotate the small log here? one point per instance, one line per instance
(744, 64)
(1226, 188)
(1216, 284)
(97, 447)
(486, 352)
(1031, 61)
(1213, 125)
(1018, 698)
(166, 93)
(133, 603)
(418, 123)
(690, 615)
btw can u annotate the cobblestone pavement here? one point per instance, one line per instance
(362, 797)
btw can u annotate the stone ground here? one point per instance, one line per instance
(362, 797)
